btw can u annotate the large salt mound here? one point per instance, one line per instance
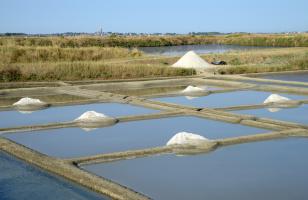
(192, 60)
(28, 101)
(275, 98)
(186, 138)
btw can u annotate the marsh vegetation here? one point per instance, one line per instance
(80, 58)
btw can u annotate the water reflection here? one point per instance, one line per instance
(199, 49)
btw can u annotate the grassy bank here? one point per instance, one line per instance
(20, 54)
(80, 58)
(49, 63)
(252, 61)
(84, 71)
(277, 40)
(257, 61)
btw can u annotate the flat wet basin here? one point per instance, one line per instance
(19, 180)
(67, 113)
(298, 115)
(63, 98)
(160, 90)
(225, 99)
(263, 170)
(299, 76)
(73, 142)
(149, 90)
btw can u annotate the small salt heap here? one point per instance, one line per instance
(186, 138)
(28, 101)
(91, 116)
(192, 92)
(94, 119)
(275, 98)
(29, 104)
(192, 60)
(193, 89)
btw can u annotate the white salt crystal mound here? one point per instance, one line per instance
(192, 60)
(92, 116)
(186, 138)
(28, 101)
(92, 119)
(193, 89)
(275, 98)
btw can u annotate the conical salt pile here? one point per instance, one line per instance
(91, 116)
(191, 60)
(275, 98)
(92, 119)
(186, 138)
(191, 89)
(28, 101)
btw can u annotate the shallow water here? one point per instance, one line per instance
(6, 100)
(19, 180)
(225, 99)
(298, 115)
(73, 142)
(268, 83)
(161, 90)
(263, 170)
(200, 49)
(67, 113)
(299, 76)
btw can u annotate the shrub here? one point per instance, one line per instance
(10, 74)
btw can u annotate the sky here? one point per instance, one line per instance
(150, 16)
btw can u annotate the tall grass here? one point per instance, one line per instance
(268, 61)
(19, 54)
(279, 40)
(85, 70)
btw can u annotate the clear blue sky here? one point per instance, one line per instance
(181, 16)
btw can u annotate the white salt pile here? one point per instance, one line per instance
(192, 60)
(28, 101)
(275, 98)
(193, 89)
(92, 119)
(186, 138)
(91, 116)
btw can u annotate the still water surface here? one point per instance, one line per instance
(19, 180)
(226, 99)
(298, 115)
(199, 49)
(262, 170)
(67, 113)
(73, 142)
